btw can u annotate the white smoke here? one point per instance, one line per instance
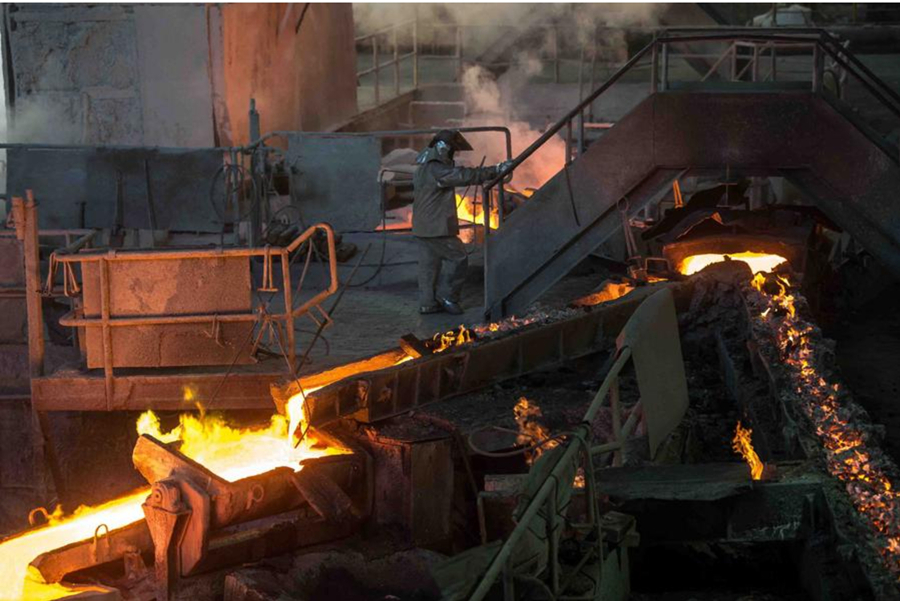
(490, 106)
(493, 101)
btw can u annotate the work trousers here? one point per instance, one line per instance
(442, 255)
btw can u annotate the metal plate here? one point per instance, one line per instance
(652, 335)
(171, 287)
(335, 179)
(78, 187)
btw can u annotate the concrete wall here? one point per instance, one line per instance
(109, 74)
(297, 60)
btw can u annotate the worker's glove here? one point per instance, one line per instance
(503, 167)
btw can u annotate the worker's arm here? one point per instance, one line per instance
(448, 176)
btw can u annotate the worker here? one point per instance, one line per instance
(435, 224)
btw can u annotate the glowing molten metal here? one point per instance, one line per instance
(743, 444)
(231, 452)
(757, 261)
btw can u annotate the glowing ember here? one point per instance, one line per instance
(230, 452)
(757, 261)
(611, 290)
(743, 445)
(847, 455)
(506, 325)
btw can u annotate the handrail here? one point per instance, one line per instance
(861, 66)
(818, 37)
(569, 116)
(383, 30)
(580, 437)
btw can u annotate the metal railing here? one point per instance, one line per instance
(819, 42)
(107, 321)
(395, 60)
(408, 35)
(543, 504)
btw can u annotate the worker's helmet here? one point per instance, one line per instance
(451, 138)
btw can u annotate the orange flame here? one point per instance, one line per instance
(743, 445)
(531, 431)
(228, 451)
(457, 337)
(467, 209)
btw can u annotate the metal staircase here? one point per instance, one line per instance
(756, 125)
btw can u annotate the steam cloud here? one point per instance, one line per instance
(490, 106)
(493, 101)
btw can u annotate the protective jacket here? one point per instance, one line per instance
(434, 203)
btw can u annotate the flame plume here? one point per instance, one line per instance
(531, 431)
(743, 445)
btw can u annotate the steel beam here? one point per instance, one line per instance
(763, 132)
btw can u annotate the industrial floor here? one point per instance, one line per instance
(372, 317)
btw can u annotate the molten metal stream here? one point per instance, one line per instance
(232, 453)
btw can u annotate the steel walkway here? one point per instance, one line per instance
(795, 129)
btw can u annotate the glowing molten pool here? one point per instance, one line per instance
(757, 261)
(230, 452)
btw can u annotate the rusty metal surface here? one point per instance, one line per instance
(54, 565)
(325, 189)
(218, 285)
(200, 522)
(71, 391)
(431, 487)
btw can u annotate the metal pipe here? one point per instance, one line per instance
(817, 70)
(665, 67)
(288, 310)
(72, 320)
(459, 53)
(107, 334)
(555, 54)
(383, 30)
(396, 65)
(415, 53)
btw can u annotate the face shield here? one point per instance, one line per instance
(444, 150)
